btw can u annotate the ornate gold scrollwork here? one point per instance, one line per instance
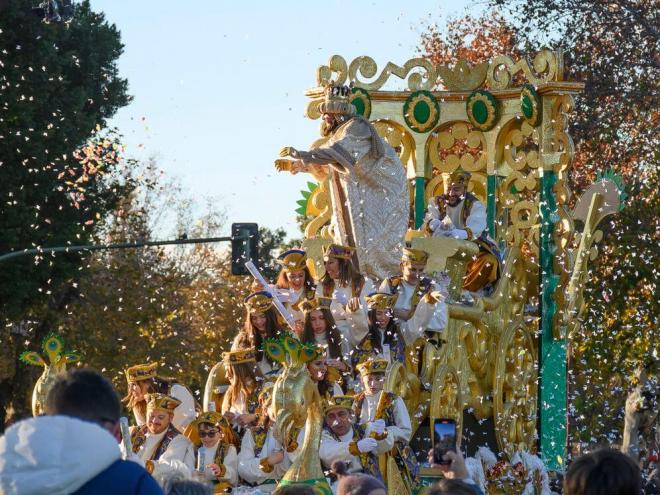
(515, 388)
(518, 192)
(548, 66)
(454, 145)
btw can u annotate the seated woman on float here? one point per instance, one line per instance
(320, 329)
(325, 376)
(261, 323)
(294, 282)
(239, 404)
(347, 288)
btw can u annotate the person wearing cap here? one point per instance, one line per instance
(218, 449)
(459, 214)
(261, 323)
(320, 329)
(294, 282)
(347, 289)
(158, 444)
(419, 305)
(345, 441)
(324, 376)
(368, 185)
(142, 380)
(239, 404)
(262, 460)
(374, 404)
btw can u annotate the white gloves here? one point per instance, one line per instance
(456, 233)
(377, 426)
(367, 445)
(434, 223)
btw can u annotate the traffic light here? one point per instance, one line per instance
(240, 253)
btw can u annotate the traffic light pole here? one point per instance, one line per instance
(128, 245)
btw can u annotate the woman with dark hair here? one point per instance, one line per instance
(324, 377)
(239, 404)
(142, 380)
(320, 329)
(260, 323)
(387, 335)
(347, 288)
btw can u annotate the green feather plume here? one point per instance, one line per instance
(53, 346)
(274, 350)
(33, 358)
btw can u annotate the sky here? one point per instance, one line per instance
(218, 87)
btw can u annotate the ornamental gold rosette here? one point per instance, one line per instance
(530, 105)
(482, 110)
(361, 101)
(421, 111)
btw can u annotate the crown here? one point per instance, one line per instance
(337, 100)
(414, 256)
(211, 417)
(293, 259)
(258, 302)
(459, 177)
(338, 251)
(141, 372)
(161, 401)
(373, 366)
(380, 300)
(240, 356)
(317, 302)
(338, 401)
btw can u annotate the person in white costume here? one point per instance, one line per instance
(216, 458)
(419, 305)
(240, 401)
(142, 380)
(345, 441)
(262, 459)
(368, 185)
(459, 214)
(294, 282)
(159, 445)
(374, 404)
(347, 289)
(261, 323)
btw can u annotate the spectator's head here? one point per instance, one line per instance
(160, 409)
(87, 395)
(177, 485)
(360, 484)
(339, 414)
(603, 472)
(451, 487)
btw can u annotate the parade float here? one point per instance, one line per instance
(503, 363)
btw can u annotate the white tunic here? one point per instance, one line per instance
(427, 316)
(401, 430)
(230, 463)
(477, 220)
(249, 467)
(353, 325)
(184, 414)
(178, 457)
(332, 450)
